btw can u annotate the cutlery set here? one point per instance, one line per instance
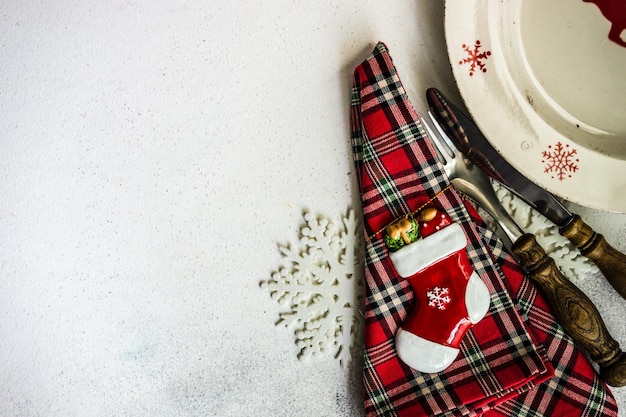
(471, 163)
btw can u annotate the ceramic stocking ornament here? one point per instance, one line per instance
(449, 296)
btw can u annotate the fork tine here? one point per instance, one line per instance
(451, 146)
(443, 153)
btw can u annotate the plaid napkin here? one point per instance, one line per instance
(517, 360)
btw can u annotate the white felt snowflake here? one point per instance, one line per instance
(569, 259)
(320, 284)
(438, 297)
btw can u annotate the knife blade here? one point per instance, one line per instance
(477, 148)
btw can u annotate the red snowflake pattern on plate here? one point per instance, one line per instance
(475, 58)
(560, 161)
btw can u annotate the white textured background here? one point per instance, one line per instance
(153, 155)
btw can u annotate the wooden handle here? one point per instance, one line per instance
(574, 311)
(611, 262)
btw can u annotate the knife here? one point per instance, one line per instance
(475, 146)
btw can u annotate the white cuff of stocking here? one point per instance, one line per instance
(416, 256)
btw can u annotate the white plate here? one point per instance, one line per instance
(547, 87)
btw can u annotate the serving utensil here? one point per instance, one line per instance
(475, 146)
(574, 311)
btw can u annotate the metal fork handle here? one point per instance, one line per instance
(480, 190)
(574, 311)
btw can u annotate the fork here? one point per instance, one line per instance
(574, 310)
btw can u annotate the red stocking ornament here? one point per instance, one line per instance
(449, 296)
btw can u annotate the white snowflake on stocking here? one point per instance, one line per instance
(320, 285)
(438, 297)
